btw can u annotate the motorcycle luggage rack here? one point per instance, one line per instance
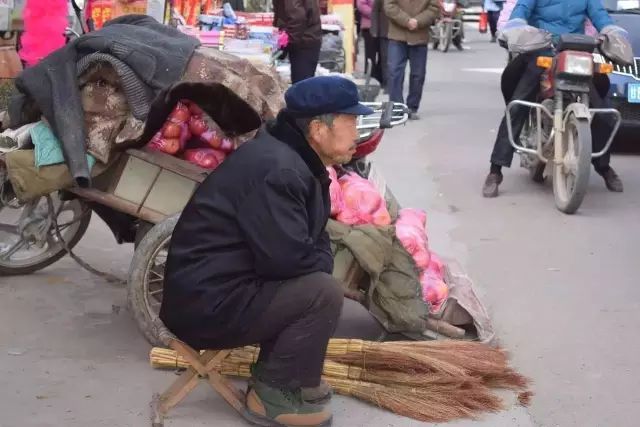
(618, 117)
(540, 144)
(385, 115)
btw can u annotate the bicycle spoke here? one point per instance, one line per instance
(15, 248)
(156, 292)
(8, 228)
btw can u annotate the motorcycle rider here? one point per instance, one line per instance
(521, 80)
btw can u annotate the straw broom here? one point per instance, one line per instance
(432, 397)
(438, 402)
(161, 358)
(386, 363)
(376, 355)
(423, 404)
(491, 364)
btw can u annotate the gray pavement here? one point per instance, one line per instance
(562, 290)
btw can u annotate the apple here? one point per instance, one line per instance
(198, 126)
(195, 110)
(180, 113)
(170, 145)
(226, 145)
(212, 138)
(171, 130)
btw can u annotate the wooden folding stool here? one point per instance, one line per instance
(202, 366)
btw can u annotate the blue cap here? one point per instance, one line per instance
(324, 95)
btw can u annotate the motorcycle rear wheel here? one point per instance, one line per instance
(571, 178)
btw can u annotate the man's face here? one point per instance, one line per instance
(335, 144)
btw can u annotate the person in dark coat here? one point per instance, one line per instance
(250, 260)
(301, 20)
(380, 31)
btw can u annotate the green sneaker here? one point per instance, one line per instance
(320, 395)
(273, 407)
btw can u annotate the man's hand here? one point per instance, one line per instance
(412, 24)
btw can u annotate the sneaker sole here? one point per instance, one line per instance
(260, 420)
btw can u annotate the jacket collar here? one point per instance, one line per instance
(285, 130)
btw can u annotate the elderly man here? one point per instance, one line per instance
(250, 260)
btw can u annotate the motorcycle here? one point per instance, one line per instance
(448, 29)
(556, 139)
(37, 233)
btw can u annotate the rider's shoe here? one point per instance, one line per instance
(612, 180)
(413, 115)
(538, 174)
(491, 184)
(494, 39)
(275, 407)
(458, 45)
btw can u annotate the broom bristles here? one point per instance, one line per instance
(397, 359)
(509, 379)
(524, 398)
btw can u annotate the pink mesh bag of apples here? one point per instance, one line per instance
(356, 201)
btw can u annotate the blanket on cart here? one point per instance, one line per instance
(155, 53)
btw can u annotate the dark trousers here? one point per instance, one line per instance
(521, 80)
(375, 52)
(493, 21)
(304, 61)
(370, 50)
(399, 53)
(383, 61)
(294, 331)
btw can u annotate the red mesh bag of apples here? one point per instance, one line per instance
(190, 134)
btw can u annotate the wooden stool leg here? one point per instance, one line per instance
(220, 384)
(204, 365)
(184, 385)
(228, 391)
(157, 419)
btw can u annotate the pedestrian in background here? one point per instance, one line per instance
(493, 8)
(409, 26)
(365, 7)
(301, 20)
(380, 32)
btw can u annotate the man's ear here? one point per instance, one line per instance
(317, 130)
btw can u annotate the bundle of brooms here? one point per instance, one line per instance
(433, 381)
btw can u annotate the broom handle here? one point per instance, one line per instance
(444, 328)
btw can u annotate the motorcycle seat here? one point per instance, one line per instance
(578, 42)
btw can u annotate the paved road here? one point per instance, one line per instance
(561, 289)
